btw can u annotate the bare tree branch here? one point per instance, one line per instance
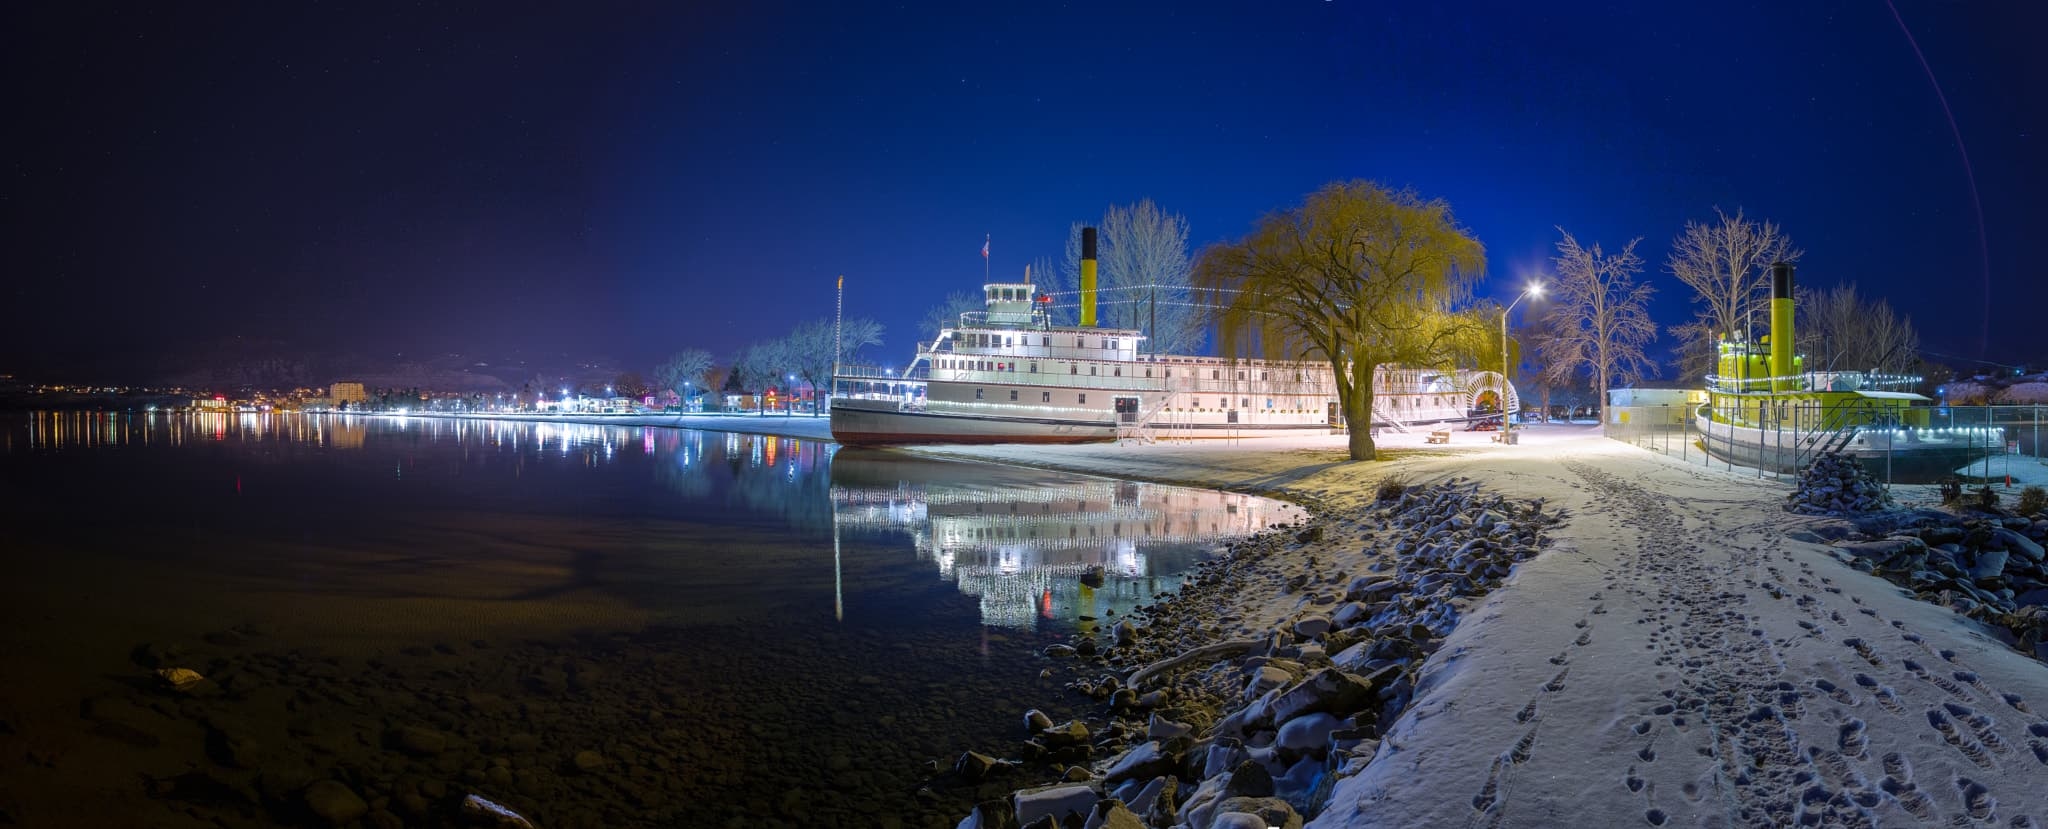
(1600, 318)
(1725, 263)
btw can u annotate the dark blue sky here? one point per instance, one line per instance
(629, 179)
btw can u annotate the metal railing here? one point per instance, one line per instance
(1990, 443)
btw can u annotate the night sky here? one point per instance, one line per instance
(623, 180)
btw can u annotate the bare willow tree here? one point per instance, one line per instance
(808, 351)
(763, 365)
(685, 372)
(1726, 262)
(1842, 331)
(1601, 315)
(1144, 268)
(855, 334)
(947, 314)
(1358, 276)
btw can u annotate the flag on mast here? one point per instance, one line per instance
(984, 247)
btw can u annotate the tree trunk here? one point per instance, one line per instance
(1358, 415)
(1362, 448)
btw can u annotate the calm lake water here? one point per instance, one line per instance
(596, 625)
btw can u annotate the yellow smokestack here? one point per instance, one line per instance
(1781, 328)
(1087, 276)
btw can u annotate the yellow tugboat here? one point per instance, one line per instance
(1764, 410)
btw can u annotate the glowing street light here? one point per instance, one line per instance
(1507, 424)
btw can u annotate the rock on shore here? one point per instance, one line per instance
(1241, 700)
(1980, 561)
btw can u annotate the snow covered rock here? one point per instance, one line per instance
(1884, 549)
(1112, 814)
(1308, 733)
(1836, 484)
(1990, 565)
(2018, 543)
(1328, 690)
(1150, 759)
(1077, 799)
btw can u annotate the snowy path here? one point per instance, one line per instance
(1673, 661)
(1676, 661)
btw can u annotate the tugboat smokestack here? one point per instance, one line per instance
(1782, 370)
(1087, 276)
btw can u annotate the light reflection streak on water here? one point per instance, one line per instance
(588, 444)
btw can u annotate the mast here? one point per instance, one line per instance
(838, 313)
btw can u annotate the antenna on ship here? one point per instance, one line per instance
(838, 313)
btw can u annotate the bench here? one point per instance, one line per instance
(1440, 437)
(1504, 437)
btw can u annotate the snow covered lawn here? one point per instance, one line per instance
(1674, 659)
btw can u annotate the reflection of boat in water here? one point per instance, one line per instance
(1021, 540)
(1764, 410)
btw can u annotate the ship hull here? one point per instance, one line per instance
(856, 425)
(1781, 452)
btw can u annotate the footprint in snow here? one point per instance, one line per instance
(1835, 692)
(1977, 799)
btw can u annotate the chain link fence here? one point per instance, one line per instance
(1975, 444)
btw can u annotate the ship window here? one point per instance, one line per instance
(1246, 403)
(1013, 394)
(1240, 375)
(1047, 341)
(1073, 368)
(1091, 371)
(1262, 375)
(1269, 402)
(1119, 371)
(1081, 398)
(1080, 342)
(1007, 342)
(1148, 371)
(1034, 368)
(1045, 397)
(1215, 375)
(977, 394)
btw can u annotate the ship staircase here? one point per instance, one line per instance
(1382, 414)
(1139, 429)
(1831, 429)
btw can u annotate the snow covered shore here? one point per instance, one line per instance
(1673, 658)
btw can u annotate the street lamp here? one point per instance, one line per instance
(1507, 423)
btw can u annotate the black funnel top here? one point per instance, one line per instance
(1781, 280)
(1087, 243)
